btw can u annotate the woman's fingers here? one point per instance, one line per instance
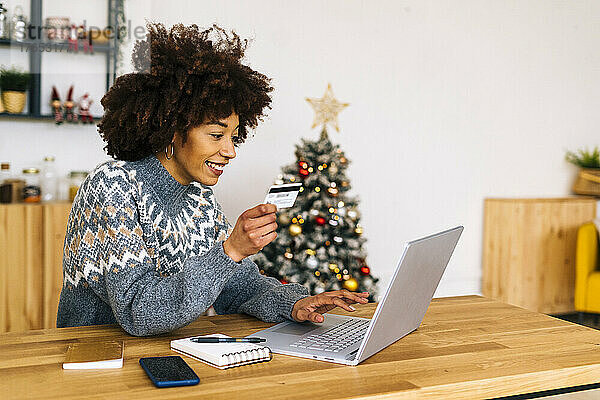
(260, 210)
(252, 224)
(311, 308)
(342, 304)
(315, 317)
(352, 297)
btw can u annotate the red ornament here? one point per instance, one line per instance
(304, 172)
(365, 270)
(283, 281)
(320, 220)
(303, 165)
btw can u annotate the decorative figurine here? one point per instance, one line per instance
(84, 109)
(73, 41)
(56, 106)
(82, 34)
(70, 115)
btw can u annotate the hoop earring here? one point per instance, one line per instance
(167, 151)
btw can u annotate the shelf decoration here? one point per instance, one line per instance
(84, 109)
(76, 34)
(58, 28)
(14, 84)
(3, 22)
(69, 106)
(56, 106)
(19, 25)
(55, 37)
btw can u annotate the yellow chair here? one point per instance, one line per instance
(587, 271)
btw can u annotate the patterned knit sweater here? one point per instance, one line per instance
(147, 252)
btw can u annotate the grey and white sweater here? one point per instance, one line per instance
(147, 252)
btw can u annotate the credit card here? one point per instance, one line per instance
(283, 196)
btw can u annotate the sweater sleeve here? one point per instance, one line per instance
(247, 291)
(118, 266)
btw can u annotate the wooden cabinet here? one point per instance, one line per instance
(31, 242)
(529, 250)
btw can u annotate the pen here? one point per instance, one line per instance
(209, 339)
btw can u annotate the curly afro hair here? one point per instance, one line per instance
(182, 79)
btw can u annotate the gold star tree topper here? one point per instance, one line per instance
(326, 109)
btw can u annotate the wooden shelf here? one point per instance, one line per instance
(44, 118)
(61, 47)
(39, 47)
(22, 116)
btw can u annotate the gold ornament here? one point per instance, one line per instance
(317, 189)
(295, 229)
(345, 184)
(332, 191)
(332, 266)
(343, 160)
(326, 109)
(353, 213)
(358, 230)
(288, 255)
(351, 284)
(333, 170)
(310, 252)
(284, 219)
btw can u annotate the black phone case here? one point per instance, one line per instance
(169, 371)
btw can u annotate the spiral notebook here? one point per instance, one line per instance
(222, 355)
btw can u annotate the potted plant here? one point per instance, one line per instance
(14, 84)
(588, 179)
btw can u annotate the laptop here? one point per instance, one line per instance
(351, 340)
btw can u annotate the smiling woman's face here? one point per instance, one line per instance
(208, 149)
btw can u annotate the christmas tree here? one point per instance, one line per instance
(319, 240)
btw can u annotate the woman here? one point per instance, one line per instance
(147, 244)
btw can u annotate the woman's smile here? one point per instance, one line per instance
(215, 168)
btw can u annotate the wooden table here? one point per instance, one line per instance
(467, 348)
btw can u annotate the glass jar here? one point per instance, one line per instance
(31, 191)
(3, 22)
(75, 180)
(19, 25)
(5, 185)
(49, 183)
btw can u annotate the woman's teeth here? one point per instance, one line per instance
(218, 167)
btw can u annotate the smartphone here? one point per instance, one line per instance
(169, 371)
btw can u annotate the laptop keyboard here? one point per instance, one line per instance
(336, 338)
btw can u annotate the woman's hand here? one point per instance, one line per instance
(310, 308)
(254, 229)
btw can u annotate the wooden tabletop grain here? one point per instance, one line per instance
(467, 348)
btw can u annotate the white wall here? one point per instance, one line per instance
(450, 102)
